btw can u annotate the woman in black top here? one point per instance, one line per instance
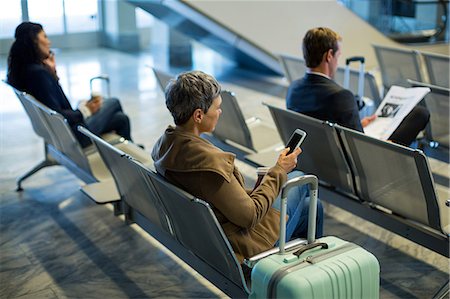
(32, 69)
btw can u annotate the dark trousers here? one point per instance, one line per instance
(110, 118)
(411, 125)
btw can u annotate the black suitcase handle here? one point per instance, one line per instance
(355, 58)
(310, 246)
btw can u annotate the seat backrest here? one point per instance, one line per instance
(40, 126)
(438, 103)
(162, 78)
(293, 67)
(231, 125)
(397, 66)
(393, 176)
(371, 90)
(322, 154)
(132, 181)
(197, 228)
(438, 68)
(66, 143)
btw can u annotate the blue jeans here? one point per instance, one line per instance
(110, 118)
(297, 210)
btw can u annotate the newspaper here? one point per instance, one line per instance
(396, 105)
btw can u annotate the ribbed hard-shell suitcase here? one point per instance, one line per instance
(325, 268)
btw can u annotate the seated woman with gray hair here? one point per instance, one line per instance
(249, 218)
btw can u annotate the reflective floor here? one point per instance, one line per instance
(56, 243)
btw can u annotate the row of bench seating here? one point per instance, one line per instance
(62, 148)
(184, 224)
(159, 207)
(352, 172)
(385, 183)
(396, 66)
(403, 68)
(121, 173)
(388, 184)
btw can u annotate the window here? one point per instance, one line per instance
(10, 17)
(81, 15)
(49, 13)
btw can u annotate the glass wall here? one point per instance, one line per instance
(404, 20)
(81, 15)
(57, 16)
(49, 13)
(10, 17)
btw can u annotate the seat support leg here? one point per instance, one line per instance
(35, 169)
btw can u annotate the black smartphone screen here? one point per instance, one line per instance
(292, 143)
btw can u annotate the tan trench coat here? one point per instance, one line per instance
(200, 168)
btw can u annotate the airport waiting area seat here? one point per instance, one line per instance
(295, 68)
(397, 178)
(438, 69)
(397, 66)
(180, 221)
(184, 224)
(382, 182)
(233, 128)
(437, 102)
(62, 148)
(249, 135)
(322, 154)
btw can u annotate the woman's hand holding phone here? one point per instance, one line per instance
(288, 157)
(288, 161)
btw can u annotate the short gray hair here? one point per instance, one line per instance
(188, 92)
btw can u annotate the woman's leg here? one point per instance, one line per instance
(110, 118)
(297, 210)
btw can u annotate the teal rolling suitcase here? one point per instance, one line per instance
(325, 268)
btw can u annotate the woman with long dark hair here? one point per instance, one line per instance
(32, 69)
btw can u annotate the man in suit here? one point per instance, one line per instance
(319, 96)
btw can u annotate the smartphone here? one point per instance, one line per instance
(295, 140)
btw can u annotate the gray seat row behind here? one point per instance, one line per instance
(388, 184)
(397, 65)
(62, 148)
(403, 68)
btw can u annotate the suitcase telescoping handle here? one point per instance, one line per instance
(362, 60)
(298, 181)
(104, 78)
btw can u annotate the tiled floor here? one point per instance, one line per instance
(56, 243)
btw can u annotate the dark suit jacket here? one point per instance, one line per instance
(46, 89)
(322, 98)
